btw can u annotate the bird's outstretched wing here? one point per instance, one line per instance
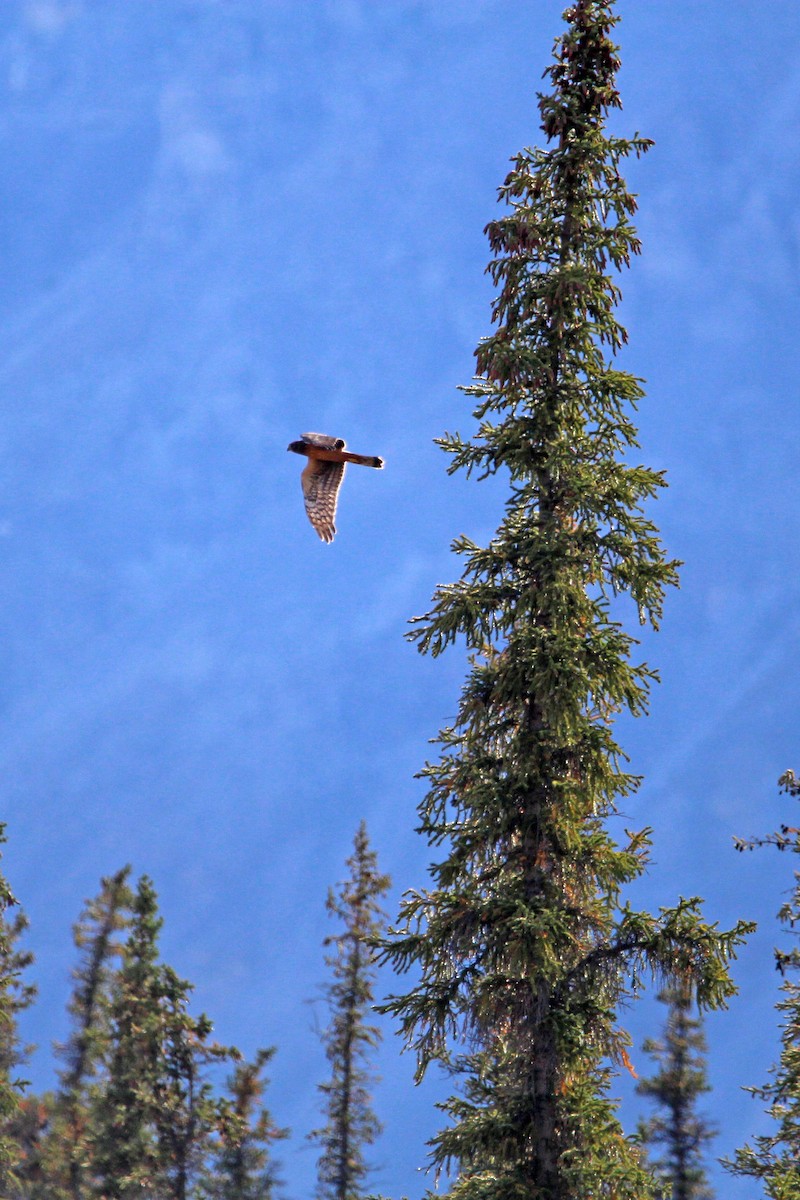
(321, 482)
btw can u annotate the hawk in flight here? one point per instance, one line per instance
(322, 476)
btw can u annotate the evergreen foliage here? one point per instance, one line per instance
(680, 1080)
(136, 1113)
(87, 1049)
(775, 1157)
(15, 996)
(243, 1168)
(125, 1151)
(155, 1116)
(351, 1124)
(29, 1131)
(186, 1113)
(524, 946)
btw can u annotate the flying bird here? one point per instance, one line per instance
(322, 477)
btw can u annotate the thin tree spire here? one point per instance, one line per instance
(350, 1039)
(677, 1126)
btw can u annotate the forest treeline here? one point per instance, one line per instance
(134, 1111)
(519, 953)
(148, 1104)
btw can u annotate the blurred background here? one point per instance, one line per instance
(225, 222)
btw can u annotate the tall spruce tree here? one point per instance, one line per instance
(350, 1038)
(775, 1157)
(677, 1126)
(524, 946)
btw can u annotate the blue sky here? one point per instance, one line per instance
(225, 223)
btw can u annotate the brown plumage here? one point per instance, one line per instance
(322, 477)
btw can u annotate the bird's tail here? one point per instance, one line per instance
(362, 460)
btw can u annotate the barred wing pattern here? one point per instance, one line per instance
(321, 482)
(322, 477)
